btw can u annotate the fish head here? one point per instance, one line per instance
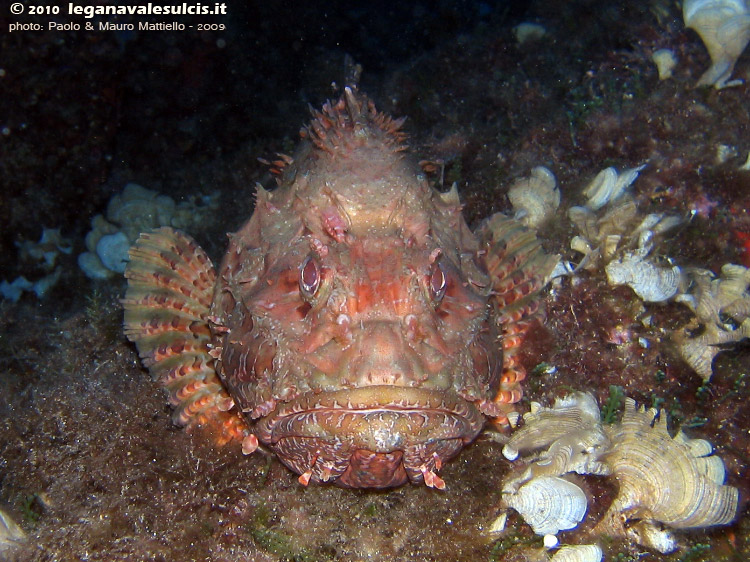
(361, 344)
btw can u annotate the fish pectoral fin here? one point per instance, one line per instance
(519, 270)
(170, 289)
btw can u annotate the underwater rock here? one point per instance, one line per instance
(724, 27)
(535, 198)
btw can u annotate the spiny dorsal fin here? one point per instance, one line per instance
(350, 122)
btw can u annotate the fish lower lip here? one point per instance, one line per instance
(392, 432)
(311, 414)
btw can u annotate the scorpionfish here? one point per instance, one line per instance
(356, 326)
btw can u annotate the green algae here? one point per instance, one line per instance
(695, 553)
(271, 539)
(30, 507)
(511, 542)
(613, 406)
(695, 421)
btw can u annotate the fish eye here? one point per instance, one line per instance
(437, 283)
(309, 277)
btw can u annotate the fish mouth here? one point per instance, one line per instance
(372, 437)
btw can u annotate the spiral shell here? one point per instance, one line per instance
(650, 282)
(535, 198)
(549, 504)
(675, 481)
(579, 553)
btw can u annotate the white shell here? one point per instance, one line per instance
(138, 209)
(543, 426)
(675, 481)
(663, 481)
(602, 189)
(562, 269)
(498, 525)
(724, 153)
(572, 435)
(10, 532)
(650, 282)
(549, 504)
(665, 62)
(610, 246)
(112, 250)
(608, 186)
(535, 198)
(697, 352)
(584, 220)
(580, 244)
(713, 300)
(579, 553)
(129, 213)
(657, 223)
(654, 535)
(724, 27)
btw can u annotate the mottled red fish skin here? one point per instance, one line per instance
(355, 274)
(357, 325)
